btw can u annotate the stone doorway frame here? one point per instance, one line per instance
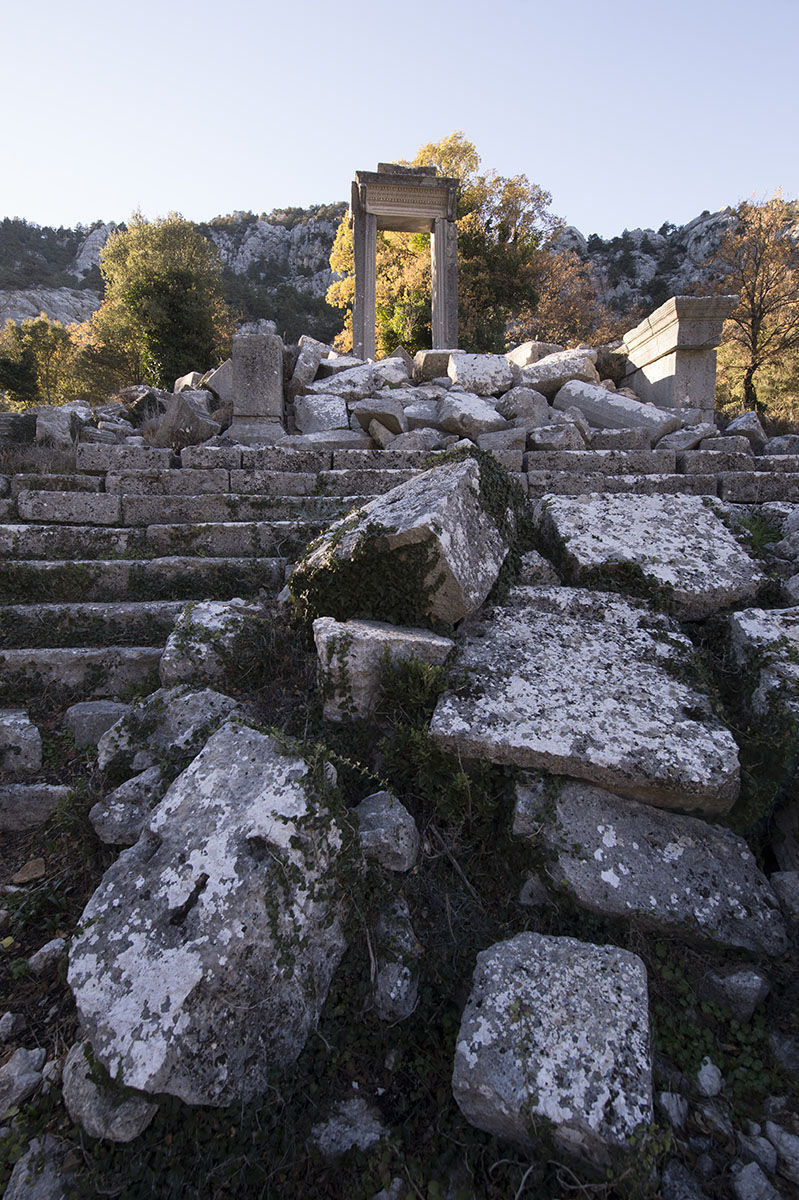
(405, 200)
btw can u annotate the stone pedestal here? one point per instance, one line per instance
(257, 389)
(672, 354)
(405, 200)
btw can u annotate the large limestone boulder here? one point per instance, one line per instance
(316, 414)
(678, 542)
(199, 650)
(549, 374)
(430, 547)
(97, 1107)
(353, 653)
(764, 646)
(587, 684)
(61, 425)
(612, 410)
(186, 422)
(169, 719)
(679, 874)
(206, 953)
(466, 414)
(556, 1030)
(484, 374)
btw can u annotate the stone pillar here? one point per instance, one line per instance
(672, 354)
(364, 236)
(444, 271)
(257, 389)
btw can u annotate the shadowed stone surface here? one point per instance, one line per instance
(558, 1029)
(767, 642)
(99, 1110)
(677, 541)
(584, 684)
(624, 859)
(207, 951)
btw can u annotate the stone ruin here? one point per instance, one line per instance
(582, 678)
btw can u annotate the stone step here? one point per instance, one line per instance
(564, 483)
(758, 487)
(181, 510)
(54, 483)
(129, 623)
(229, 539)
(97, 673)
(170, 578)
(602, 462)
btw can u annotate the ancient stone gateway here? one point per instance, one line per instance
(405, 200)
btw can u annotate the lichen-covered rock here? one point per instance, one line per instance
(199, 649)
(675, 873)
(484, 374)
(388, 832)
(678, 543)
(316, 414)
(119, 817)
(426, 549)
(396, 986)
(41, 1174)
(20, 1077)
(388, 411)
(765, 643)
(353, 1122)
(584, 684)
(100, 1110)
(206, 953)
(168, 719)
(614, 410)
(521, 403)
(558, 1030)
(186, 422)
(20, 742)
(468, 415)
(748, 425)
(352, 655)
(549, 374)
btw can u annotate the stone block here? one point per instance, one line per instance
(363, 482)
(467, 415)
(258, 376)
(707, 462)
(748, 425)
(187, 481)
(633, 725)
(522, 403)
(99, 459)
(556, 1030)
(351, 656)
(673, 873)
(611, 410)
(26, 805)
(431, 364)
(281, 458)
(758, 487)
(220, 382)
(88, 720)
(606, 462)
(483, 374)
(214, 457)
(355, 384)
(619, 439)
(552, 437)
(186, 422)
(549, 374)
(54, 483)
(313, 414)
(272, 483)
(729, 445)
(690, 437)
(572, 483)
(679, 543)
(531, 352)
(390, 413)
(69, 508)
(387, 832)
(422, 415)
(332, 439)
(764, 646)
(20, 742)
(672, 354)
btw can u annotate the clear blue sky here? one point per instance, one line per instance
(629, 113)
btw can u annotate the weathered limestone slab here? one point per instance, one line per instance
(391, 372)
(396, 985)
(531, 352)
(558, 1030)
(690, 437)
(220, 382)
(678, 542)
(188, 481)
(768, 641)
(180, 510)
(554, 438)
(549, 374)
(483, 374)
(432, 364)
(610, 410)
(390, 413)
(351, 385)
(88, 720)
(20, 1077)
(20, 742)
(468, 415)
(272, 483)
(706, 462)
(61, 425)
(282, 458)
(608, 462)
(422, 415)
(168, 719)
(524, 403)
(732, 445)
(758, 487)
(399, 460)
(51, 483)
(439, 508)
(363, 482)
(198, 650)
(111, 671)
(42, 1173)
(351, 655)
(25, 805)
(679, 874)
(71, 508)
(200, 968)
(230, 539)
(331, 439)
(620, 439)
(100, 459)
(187, 421)
(226, 457)
(119, 817)
(672, 354)
(562, 483)
(316, 414)
(257, 378)
(585, 684)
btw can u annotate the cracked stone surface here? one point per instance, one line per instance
(678, 541)
(558, 1029)
(587, 684)
(769, 641)
(679, 874)
(205, 955)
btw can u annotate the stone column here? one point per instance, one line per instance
(257, 389)
(364, 236)
(672, 354)
(444, 274)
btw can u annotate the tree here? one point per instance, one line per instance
(501, 224)
(168, 279)
(35, 359)
(759, 259)
(570, 308)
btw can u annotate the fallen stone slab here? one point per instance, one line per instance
(313, 414)
(388, 411)
(352, 655)
(20, 742)
(326, 439)
(41, 1173)
(587, 684)
(26, 805)
(484, 374)
(351, 385)
(119, 817)
(207, 951)
(178, 718)
(431, 536)
(467, 414)
(678, 542)
(764, 646)
(522, 403)
(99, 459)
(88, 720)
(678, 874)
(611, 410)
(199, 650)
(556, 1030)
(531, 352)
(549, 374)
(69, 508)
